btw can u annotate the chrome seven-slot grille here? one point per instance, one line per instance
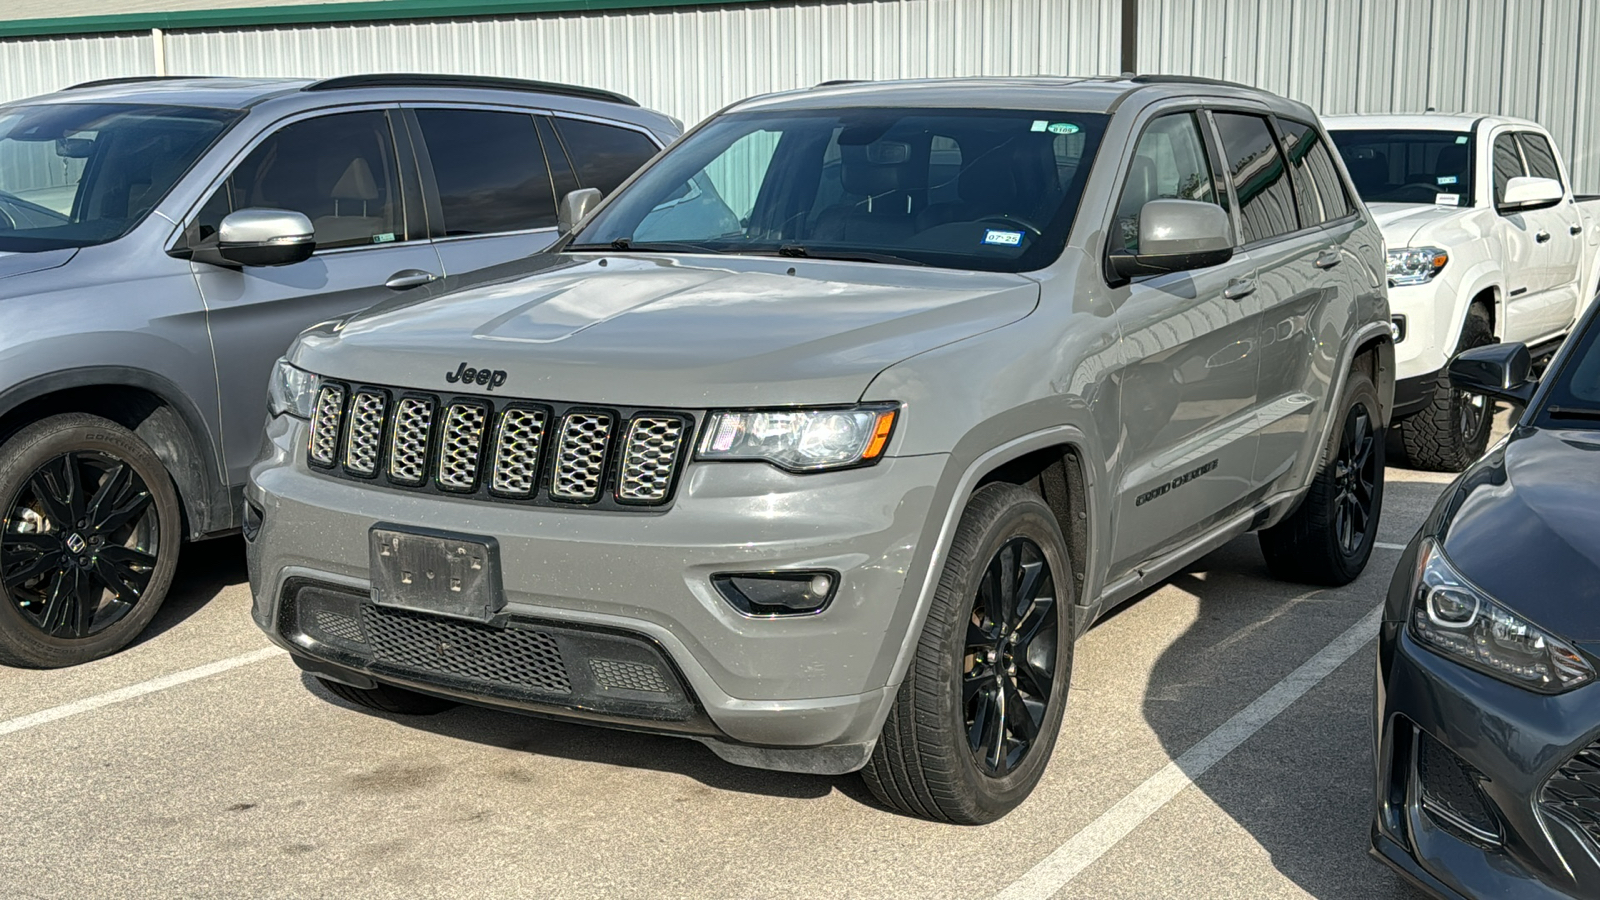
(500, 449)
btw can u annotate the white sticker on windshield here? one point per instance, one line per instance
(1002, 238)
(1447, 179)
(1039, 125)
(1447, 200)
(1063, 128)
(1461, 139)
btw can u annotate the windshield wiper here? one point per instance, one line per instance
(1572, 412)
(799, 252)
(627, 245)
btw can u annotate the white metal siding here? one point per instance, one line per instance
(31, 66)
(1538, 59)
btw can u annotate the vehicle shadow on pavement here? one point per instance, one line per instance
(204, 569)
(1301, 786)
(611, 747)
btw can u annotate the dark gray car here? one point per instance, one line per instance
(833, 480)
(161, 243)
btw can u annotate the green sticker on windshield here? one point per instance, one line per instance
(1063, 128)
(1461, 139)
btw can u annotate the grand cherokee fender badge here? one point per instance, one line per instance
(464, 374)
(1175, 483)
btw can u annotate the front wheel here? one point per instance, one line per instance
(976, 718)
(89, 542)
(1454, 429)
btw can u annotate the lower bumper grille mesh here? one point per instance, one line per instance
(522, 658)
(1573, 793)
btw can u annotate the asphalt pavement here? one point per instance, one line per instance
(1216, 745)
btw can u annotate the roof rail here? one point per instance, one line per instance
(133, 79)
(468, 81)
(1185, 79)
(835, 82)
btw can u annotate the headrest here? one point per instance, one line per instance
(1452, 159)
(356, 183)
(859, 173)
(1142, 179)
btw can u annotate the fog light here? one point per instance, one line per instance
(1397, 328)
(777, 593)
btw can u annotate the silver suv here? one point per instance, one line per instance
(829, 473)
(161, 243)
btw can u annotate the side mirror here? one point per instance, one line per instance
(1497, 370)
(574, 206)
(1177, 236)
(265, 237)
(1524, 193)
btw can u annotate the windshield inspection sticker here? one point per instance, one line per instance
(1002, 238)
(1461, 139)
(1447, 200)
(1039, 125)
(1063, 128)
(1447, 179)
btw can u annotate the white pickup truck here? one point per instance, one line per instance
(1486, 242)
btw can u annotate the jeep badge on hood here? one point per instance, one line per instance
(465, 375)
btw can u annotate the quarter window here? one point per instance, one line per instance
(1168, 164)
(1507, 165)
(1541, 159)
(1319, 192)
(338, 170)
(1266, 202)
(490, 170)
(604, 155)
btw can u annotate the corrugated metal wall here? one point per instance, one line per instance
(34, 66)
(1538, 59)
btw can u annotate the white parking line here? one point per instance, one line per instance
(56, 713)
(1382, 546)
(1068, 860)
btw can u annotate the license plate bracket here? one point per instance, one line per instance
(436, 572)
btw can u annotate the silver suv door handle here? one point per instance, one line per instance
(1239, 288)
(1328, 259)
(409, 278)
(1542, 237)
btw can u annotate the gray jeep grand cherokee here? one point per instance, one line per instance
(163, 240)
(830, 473)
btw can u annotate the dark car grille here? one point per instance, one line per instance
(1450, 790)
(1573, 792)
(529, 451)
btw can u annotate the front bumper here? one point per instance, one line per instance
(805, 692)
(1481, 833)
(1428, 310)
(1413, 395)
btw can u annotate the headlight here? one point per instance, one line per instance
(1452, 616)
(1415, 265)
(802, 440)
(291, 391)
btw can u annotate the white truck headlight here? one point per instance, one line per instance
(801, 440)
(1415, 265)
(1452, 616)
(291, 391)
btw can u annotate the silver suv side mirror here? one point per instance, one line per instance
(265, 237)
(1525, 193)
(1177, 236)
(574, 206)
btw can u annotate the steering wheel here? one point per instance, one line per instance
(1420, 186)
(1010, 222)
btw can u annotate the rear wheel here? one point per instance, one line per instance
(89, 542)
(1454, 429)
(1328, 539)
(386, 698)
(976, 718)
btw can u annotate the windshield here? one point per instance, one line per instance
(73, 174)
(1408, 166)
(993, 190)
(1573, 400)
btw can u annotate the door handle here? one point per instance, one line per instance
(1328, 259)
(1574, 229)
(1542, 237)
(1239, 288)
(409, 278)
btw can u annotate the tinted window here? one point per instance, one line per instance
(987, 189)
(338, 170)
(1408, 166)
(604, 155)
(1541, 159)
(490, 170)
(1318, 191)
(75, 174)
(1575, 389)
(1266, 202)
(1507, 165)
(1168, 164)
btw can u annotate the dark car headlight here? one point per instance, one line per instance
(1457, 619)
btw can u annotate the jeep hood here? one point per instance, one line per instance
(23, 263)
(692, 332)
(1401, 222)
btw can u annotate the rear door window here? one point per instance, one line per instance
(1169, 163)
(1507, 164)
(1266, 201)
(1319, 192)
(490, 170)
(603, 155)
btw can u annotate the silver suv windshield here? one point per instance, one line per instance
(76, 174)
(985, 189)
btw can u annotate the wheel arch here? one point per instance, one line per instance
(152, 407)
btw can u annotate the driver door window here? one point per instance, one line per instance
(1169, 164)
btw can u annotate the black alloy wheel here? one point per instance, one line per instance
(1355, 474)
(1008, 666)
(79, 544)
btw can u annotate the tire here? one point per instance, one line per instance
(924, 763)
(387, 698)
(88, 543)
(1454, 429)
(1328, 538)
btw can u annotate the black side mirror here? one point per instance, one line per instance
(1177, 236)
(1496, 370)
